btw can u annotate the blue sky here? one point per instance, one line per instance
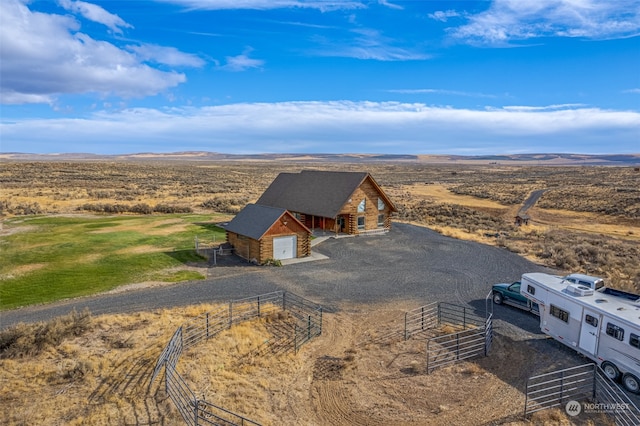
(320, 76)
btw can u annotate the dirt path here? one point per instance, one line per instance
(531, 200)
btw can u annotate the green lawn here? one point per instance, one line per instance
(53, 258)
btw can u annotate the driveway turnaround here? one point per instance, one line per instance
(410, 263)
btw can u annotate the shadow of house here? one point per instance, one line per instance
(341, 202)
(259, 233)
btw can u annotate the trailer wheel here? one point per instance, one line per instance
(610, 370)
(631, 383)
(497, 298)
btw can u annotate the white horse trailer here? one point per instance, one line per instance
(601, 326)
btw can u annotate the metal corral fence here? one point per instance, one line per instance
(194, 411)
(578, 384)
(473, 338)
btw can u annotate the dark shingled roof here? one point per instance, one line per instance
(312, 192)
(254, 220)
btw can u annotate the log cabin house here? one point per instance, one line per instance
(259, 233)
(340, 202)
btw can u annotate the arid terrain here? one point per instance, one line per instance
(587, 220)
(360, 370)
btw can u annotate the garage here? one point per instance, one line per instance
(284, 247)
(262, 234)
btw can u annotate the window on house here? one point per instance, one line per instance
(615, 331)
(360, 222)
(361, 206)
(634, 340)
(380, 204)
(380, 220)
(561, 314)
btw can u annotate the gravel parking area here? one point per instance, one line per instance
(410, 263)
(366, 284)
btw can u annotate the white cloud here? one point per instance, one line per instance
(241, 62)
(11, 97)
(378, 53)
(378, 127)
(390, 5)
(166, 55)
(368, 44)
(97, 14)
(45, 55)
(635, 91)
(514, 20)
(323, 5)
(443, 15)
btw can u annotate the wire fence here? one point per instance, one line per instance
(307, 325)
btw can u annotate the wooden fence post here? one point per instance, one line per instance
(406, 331)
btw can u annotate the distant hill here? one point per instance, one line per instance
(511, 159)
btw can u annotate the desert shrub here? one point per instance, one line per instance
(601, 198)
(25, 340)
(100, 194)
(141, 208)
(20, 209)
(225, 205)
(272, 262)
(170, 208)
(504, 193)
(72, 370)
(5, 207)
(105, 208)
(616, 260)
(452, 215)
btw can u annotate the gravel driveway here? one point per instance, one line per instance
(409, 263)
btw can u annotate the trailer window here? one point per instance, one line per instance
(634, 340)
(615, 331)
(531, 289)
(591, 320)
(559, 313)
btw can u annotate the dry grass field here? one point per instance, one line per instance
(80, 370)
(84, 370)
(587, 220)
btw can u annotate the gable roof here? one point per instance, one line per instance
(254, 220)
(318, 193)
(314, 192)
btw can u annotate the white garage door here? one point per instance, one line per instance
(284, 247)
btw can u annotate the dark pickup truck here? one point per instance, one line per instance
(509, 294)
